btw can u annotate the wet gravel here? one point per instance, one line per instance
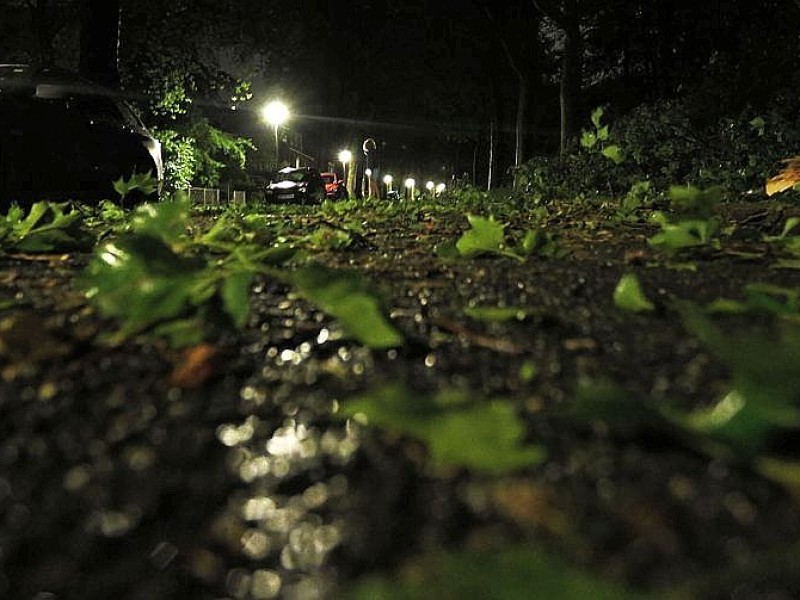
(115, 482)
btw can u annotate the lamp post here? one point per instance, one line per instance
(368, 177)
(429, 186)
(387, 179)
(345, 156)
(410, 183)
(440, 189)
(276, 113)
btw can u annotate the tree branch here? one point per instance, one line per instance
(550, 9)
(504, 44)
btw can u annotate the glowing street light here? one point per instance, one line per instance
(368, 176)
(410, 183)
(429, 186)
(345, 156)
(387, 179)
(440, 189)
(276, 113)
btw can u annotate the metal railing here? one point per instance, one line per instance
(200, 196)
(204, 196)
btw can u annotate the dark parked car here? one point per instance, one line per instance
(296, 184)
(65, 138)
(335, 187)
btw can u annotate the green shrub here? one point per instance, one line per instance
(669, 142)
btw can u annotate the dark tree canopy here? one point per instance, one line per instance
(99, 36)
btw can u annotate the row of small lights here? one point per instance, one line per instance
(345, 156)
(276, 113)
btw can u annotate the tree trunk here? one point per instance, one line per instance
(100, 23)
(666, 37)
(522, 103)
(492, 142)
(44, 27)
(570, 76)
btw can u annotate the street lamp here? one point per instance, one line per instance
(345, 156)
(368, 175)
(440, 188)
(410, 183)
(429, 186)
(276, 113)
(387, 179)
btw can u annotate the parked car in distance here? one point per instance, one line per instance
(63, 137)
(302, 185)
(335, 187)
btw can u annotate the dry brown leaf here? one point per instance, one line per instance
(530, 504)
(650, 522)
(478, 339)
(787, 178)
(195, 366)
(26, 337)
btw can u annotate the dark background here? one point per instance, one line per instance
(443, 86)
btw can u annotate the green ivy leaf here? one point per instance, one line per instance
(447, 250)
(684, 234)
(458, 430)
(236, 296)
(510, 572)
(539, 242)
(742, 421)
(614, 153)
(141, 281)
(344, 296)
(485, 437)
(588, 139)
(164, 220)
(485, 236)
(628, 295)
(605, 401)
(693, 203)
(597, 115)
(47, 227)
(764, 386)
(496, 313)
(757, 124)
(790, 224)
(143, 182)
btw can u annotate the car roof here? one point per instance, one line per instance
(295, 169)
(46, 82)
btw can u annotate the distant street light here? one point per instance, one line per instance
(429, 186)
(410, 183)
(368, 175)
(440, 188)
(276, 113)
(345, 156)
(387, 179)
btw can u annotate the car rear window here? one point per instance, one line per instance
(292, 176)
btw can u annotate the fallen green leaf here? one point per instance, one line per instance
(236, 296)
(496, 313)
(141, 281)
(507, 573)
(628, 295)
(485, 236)
(459, 430)
(47, 227)
(344, 296)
